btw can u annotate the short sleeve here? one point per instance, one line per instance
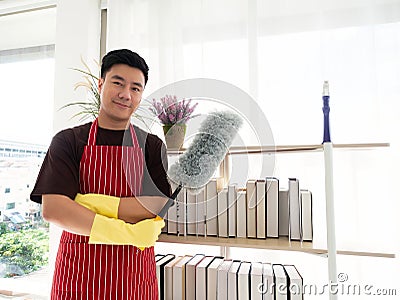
(155, 180)
(59, 173)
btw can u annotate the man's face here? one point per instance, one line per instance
(121, 92)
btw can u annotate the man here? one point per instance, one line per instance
(117, 175)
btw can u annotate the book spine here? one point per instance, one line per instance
(251, 209)
(232, 197)
(272, 204)
(223, 213)
(211, 208)
(294, 209)
(261, 209)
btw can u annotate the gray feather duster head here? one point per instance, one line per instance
(197, 164)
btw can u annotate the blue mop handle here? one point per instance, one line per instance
(326, 109)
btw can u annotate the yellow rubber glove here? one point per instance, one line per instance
(111, 231)
(100, 204)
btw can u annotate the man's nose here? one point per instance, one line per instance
(125, 93)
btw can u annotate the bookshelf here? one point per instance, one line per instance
(281, 244)
(291, 148)
(301, 148)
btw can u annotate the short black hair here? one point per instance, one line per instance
(126, 57)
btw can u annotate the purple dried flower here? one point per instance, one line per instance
(171, 111)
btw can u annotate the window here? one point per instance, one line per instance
(10, 205)
(27, 73)
(22, 224)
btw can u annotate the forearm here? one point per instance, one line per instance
(128, 209)
(78, 219)
(134, 209)
(67, 214)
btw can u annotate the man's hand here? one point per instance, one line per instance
(73, 217)
(128, 209)
(116, 232)
(100, 204)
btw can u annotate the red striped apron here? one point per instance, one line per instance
(84, 271)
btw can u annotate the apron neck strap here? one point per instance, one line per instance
(93, 134)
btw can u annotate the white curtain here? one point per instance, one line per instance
(280, 52)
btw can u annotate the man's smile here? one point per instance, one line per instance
(120, 104)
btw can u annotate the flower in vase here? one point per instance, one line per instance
(170, 111)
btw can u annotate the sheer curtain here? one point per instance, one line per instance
(280, 52)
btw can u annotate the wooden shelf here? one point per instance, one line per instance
(282, 244)
(290, 148)
(268, 244)
(301, 148)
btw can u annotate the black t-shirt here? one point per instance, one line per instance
(59, 173)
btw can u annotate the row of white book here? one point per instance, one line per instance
(215, 278)
(261, 210)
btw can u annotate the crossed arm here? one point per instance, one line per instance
(68, 214)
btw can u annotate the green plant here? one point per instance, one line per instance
(3, 228)
(26, 249)
(90, 109)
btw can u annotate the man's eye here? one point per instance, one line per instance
(117, 83)
(136, 89)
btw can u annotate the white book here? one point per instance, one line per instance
(190, 279)
(232, 196)
(268, 282)
(306, 215)
(178, 278)
(256, 280)
(241, 220)
(272, 205)
(232, 280)
(160, 264)
(283, 212)
(244, 281)
(251, 208)
(261, 209)
(212, 207)
(294, 209)
(212, 271)
(168, 277)
(281, 287)
(222, 279)
(191, 212)
(201, 212)
(201, 277)
(181, 212)
(295, 282)
(172, 225)
(223, 213)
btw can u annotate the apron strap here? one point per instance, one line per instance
(135, 141)
(93, 134)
